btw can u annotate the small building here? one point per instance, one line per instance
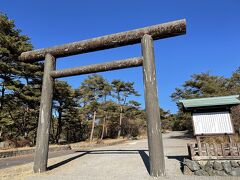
(211, 115)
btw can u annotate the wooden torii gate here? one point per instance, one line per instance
(145, 36)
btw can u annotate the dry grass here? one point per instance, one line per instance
(89, 144)
(73, 145)
(17, 172)
(22, 171)
(24, 148)
(221, 139)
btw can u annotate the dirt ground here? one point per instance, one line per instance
(128, 160)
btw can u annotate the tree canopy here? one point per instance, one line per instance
(206, 85)
(20, 84)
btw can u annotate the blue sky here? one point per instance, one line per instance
(212, 42)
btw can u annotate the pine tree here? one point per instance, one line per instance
(64, 103)
(20, 83)
(122, 91)
(205, 85)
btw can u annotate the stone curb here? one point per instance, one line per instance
(12, 153)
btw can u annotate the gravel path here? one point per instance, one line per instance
(123, 161)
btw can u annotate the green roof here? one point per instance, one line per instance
(210, 101)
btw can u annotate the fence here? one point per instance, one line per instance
(214, 151)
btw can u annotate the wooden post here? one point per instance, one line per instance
(199, 145)
(223, 149)
(215, 149)
(231, 149)
(191, 151)
(208, 150)
(230, 138)
(155, 144)
(45, 114)
(238, 148)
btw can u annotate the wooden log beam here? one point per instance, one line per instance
(210, 158)
(159, 31)
(109, 66)
(45, 115)
(155, 143)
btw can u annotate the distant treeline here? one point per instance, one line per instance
(97, 109)
(205, 85)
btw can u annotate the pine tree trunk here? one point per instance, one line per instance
(93, 125)
(0, 132)
(103, 127)
(67, 136)
(2, 97)
(25, 115)
(59, 128)
(120, 122)
(52, 125)
(106, 130)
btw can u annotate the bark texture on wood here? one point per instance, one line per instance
(109, 66)
(155, 143)
(159, 31)
(45, 114)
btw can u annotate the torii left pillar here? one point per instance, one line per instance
(45, 115)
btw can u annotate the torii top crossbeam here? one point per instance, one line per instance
(159, 31)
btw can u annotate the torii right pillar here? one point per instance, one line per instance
(155, 143)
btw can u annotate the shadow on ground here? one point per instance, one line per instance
(66, 161)
(180, 160)
(142, 154)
